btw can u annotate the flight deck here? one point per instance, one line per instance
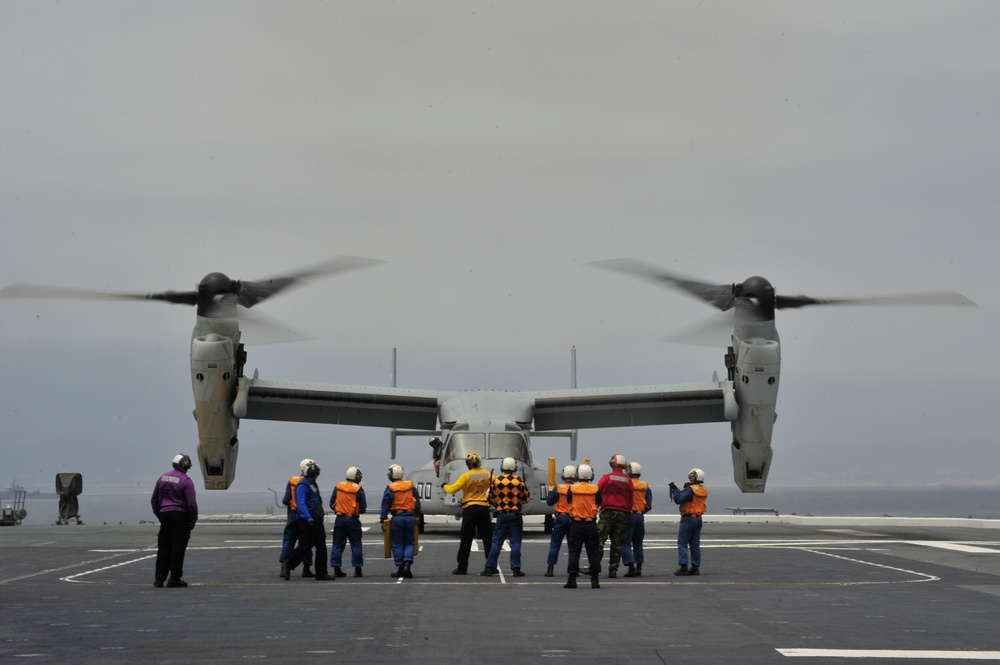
(771, 590)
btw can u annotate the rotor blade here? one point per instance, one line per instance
(62, 293)
(251, 293)
(260, 329)
(717, 295)
(715, 331)
(938, 298)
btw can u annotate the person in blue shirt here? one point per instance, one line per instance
(312, 534)
(402, 501)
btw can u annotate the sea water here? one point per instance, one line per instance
(976, 501)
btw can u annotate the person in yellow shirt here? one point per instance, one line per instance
(475, 486)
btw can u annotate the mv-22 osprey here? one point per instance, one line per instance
(492, 424)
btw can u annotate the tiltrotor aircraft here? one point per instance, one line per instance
(493, 424)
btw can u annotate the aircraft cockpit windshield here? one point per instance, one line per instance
(508, 444)
(502, 444)
(462, 444)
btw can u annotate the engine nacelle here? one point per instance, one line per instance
(758, 366)
(213, 378)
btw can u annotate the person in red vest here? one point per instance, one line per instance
(691, 501)
(348, 502)
(616, 506)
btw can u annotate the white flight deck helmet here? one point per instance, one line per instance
(307, 464)
(618, 461)
(182, 462)
(354, 474)
(508, 465)
(569, 472)
(395, 472)
(634, 470)
(584, 472)
(696, 476)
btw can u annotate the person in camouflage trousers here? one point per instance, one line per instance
(616, 505)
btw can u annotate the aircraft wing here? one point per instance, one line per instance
(631, 406)
(338, 404)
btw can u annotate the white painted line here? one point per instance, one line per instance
(72, 578)
(911, 654)
(956, 547)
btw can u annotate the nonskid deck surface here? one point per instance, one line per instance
(768, 592)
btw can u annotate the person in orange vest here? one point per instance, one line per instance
(632, 552)
(584, 502)
(402, 501)
(312, 533)
(349, 503)
(557, 498)
(291, 532)
(691, 501)
(475, 487)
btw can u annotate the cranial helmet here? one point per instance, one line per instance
(354, 474)
(584, 472)
(508, 465)
(618, 461)
(569, 472)
(306, 465)
(395, 472)
(696, 476)
(182, 462)
(634, 470)
(473, 461)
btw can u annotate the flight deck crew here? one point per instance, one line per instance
(691, 501)
(436, 448)
(557, 498)
(349, 503)
(584, 501)
(291, 532)
(508, 494)
(475, 487)
(176, 508)
(402, 501)
(642, 502)
(616, 506)
(312, 534)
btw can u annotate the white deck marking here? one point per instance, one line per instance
(911, 654)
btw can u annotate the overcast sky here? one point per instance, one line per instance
(487, 152)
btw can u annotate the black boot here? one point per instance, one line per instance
(397, 573)
(488, 572)
(594, 583)
(612, 573)
(176, 582)
(323, 577)
(286, 572)
(694, 571)
(631, 571)
(337, 572)
(357, 571)
(406, 570)
(682, 571)
(638, 570)
(463, 569)
(570, 583)
(307, 571)
(516, 572)
(548, 571)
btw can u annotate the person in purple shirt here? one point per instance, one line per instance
(175, 506)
